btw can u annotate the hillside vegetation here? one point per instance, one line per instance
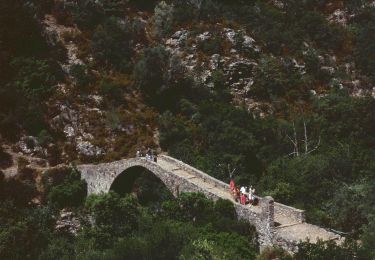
(280, 91)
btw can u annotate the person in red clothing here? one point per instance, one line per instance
(232, 185)
(243, 199)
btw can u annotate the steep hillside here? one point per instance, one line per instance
(279, 92)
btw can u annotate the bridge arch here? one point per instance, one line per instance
(180, 177)
(147, 186)
(100, 178)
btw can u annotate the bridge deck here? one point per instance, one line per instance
(287, 228)
(195, 180)
(304, 231)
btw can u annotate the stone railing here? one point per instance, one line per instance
(296, 215)
(199, 174)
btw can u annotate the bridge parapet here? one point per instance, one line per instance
(293, 214)
(204, 176)
(180, 177)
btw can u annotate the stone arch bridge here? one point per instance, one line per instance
(276, 224)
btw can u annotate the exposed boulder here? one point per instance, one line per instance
(86, 148)
(67, 222)
(30, 145)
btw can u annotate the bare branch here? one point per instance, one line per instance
(291, 140)
(306, 141)
(315, 148)
(295, 139)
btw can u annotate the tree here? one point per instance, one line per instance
(34, 77)
(112, 44)
(82, 75)
(69, 191)
(151, 73)
(365, 43)
(163, 19)
(329, 250)
(118, 216)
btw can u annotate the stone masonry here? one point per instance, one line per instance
(179, 177)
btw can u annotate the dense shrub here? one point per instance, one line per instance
(34, 77)
(64, 188)
(112, 44)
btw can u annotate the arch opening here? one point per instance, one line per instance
(144, 184)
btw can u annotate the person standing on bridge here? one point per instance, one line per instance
(232, 185)
(243, 190)
(243, 199)
(237, 194)
(251, 197)
(155, 157)
(149, 154)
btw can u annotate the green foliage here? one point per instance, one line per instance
(163, 19)
(112, 91)
(5, 159)
(88, 14)
(274, 253)
(275, 79)
(82, 75)
(213, 45)
(112, 43)
(365, 43)
(150, 72)
(24, 233)
(58, 247)
(201, 249)
(34, 78)
(225, 135)
(113, 214)
(315, 25)
(368, 237)
(20, 192)
(329, 250)
(66, 190)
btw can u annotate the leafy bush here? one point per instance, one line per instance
(112, 44)
(82, 76)
(163, 19)
(213, 45)
(119, 215)
(365, 43)
(274, 253)
(66, 190)
(329, 250)
(34, 77)
(5, 159)
(112, 91)
(150, 72)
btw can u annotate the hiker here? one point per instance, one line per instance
(243, 190)
(138, 154)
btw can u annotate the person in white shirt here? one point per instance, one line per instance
(251, 194)
(243, 190)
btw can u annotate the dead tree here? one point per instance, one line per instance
(296, 144)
